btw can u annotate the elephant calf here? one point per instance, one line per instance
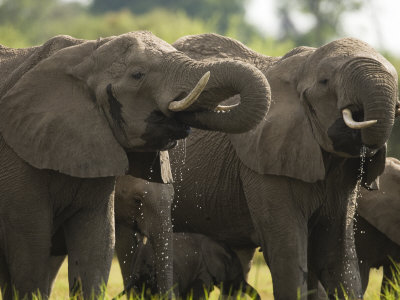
(199, 263)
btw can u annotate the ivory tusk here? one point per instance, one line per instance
(397, 113)
(193, 95)
(225, 108)
(348, 119)
(144, 240)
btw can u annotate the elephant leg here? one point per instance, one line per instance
(315, 289)
(28, 259)
(282, 232)
(5, 280)
(90, 238)
(245, 256)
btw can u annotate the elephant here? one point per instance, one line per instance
(289, 184)
(74, 114)
(199, 262)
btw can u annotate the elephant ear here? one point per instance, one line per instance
(381, 207)
(283, 143)
(50, 118)
(151, 166)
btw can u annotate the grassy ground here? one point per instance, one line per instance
(259, 277)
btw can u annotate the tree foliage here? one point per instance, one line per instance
(221, 10)
(325, 17)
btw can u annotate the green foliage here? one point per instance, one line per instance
(221, 10)
(325, 16)
(77, 20)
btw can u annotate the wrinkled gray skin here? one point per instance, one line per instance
(143, 205)
(376, 226)
(72, 113)
(197, 260)
(199, 264)
(292, 178)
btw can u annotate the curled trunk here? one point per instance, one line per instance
(375, 98)
(228, 78)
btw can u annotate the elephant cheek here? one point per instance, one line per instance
(344, 139)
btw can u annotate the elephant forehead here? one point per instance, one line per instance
(129, 186)
(149, 42)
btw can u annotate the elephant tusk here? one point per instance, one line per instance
(144, 240)
(224, 108)
(348, 119)
(193, 95)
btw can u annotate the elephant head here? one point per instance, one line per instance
(79, 106)
(334, 98)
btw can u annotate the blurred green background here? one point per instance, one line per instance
(25, 23)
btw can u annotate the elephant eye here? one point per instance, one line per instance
(323, 81)
(138, 75)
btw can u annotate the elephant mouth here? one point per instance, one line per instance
(348, 140)
(162, 132)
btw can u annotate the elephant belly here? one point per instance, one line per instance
(209, 197)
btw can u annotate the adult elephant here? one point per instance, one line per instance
(295, 174)
(72, 114)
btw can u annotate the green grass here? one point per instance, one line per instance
(259, 277)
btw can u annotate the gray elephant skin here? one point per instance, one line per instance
(72, 112)
(377, 226)
(288, 185)
(376, 230)
(199, 262)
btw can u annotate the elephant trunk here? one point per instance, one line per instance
(159, 228)
(228, 78)
(163, 255)
(376, 97)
